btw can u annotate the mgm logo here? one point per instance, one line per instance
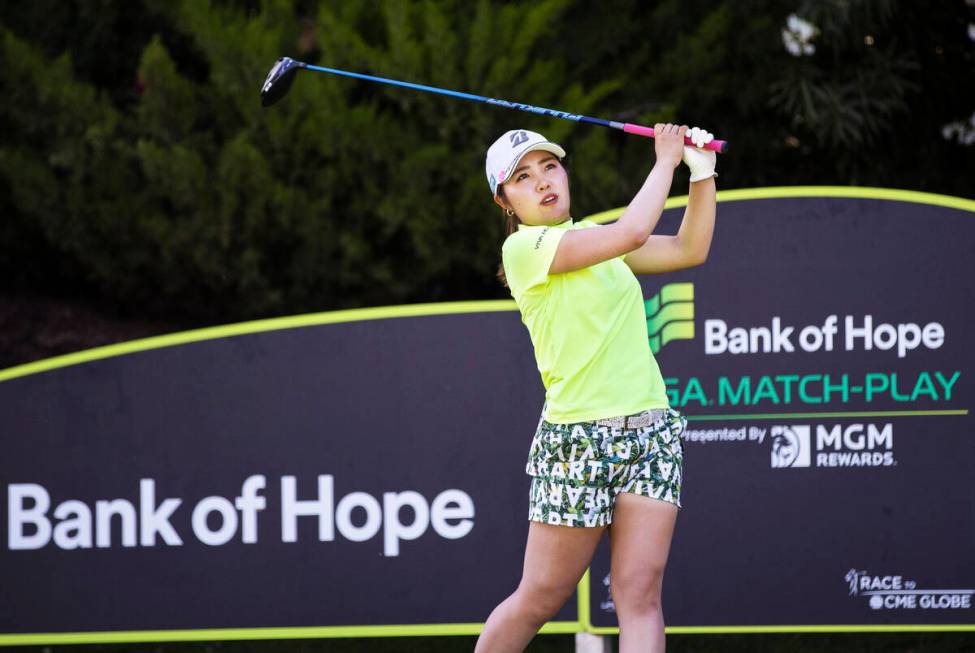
(790, 446)
(851, 445)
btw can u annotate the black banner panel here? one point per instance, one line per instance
(368, 471)
(830, 452)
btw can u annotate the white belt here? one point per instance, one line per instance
(645, 418)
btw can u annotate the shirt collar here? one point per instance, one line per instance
(561, 225)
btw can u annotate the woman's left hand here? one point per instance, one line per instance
(701, 162)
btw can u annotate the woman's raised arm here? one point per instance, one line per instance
(581, 248)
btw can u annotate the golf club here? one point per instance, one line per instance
(282, 76)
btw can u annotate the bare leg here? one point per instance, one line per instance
(640, 543)
(555, 559)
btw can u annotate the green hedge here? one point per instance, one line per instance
(138, 170)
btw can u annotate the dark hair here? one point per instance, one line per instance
(511, 223)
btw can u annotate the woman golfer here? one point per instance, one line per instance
(607, 454)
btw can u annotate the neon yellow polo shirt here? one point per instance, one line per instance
(588, 328)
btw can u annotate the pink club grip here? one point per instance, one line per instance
(640, 130)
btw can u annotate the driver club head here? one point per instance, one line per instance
(279, 80)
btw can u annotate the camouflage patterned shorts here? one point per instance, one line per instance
(579, 469)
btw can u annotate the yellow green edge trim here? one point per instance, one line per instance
(782, 192)
(258, 326)
(223, 634)
(768, 630)
(326, 632)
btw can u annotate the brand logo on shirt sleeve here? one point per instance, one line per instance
(538, 243)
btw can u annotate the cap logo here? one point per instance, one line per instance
(518, 138)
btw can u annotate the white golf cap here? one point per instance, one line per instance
(505, 153)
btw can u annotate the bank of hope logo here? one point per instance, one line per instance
(670, 316)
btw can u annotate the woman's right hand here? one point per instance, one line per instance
(669, 143)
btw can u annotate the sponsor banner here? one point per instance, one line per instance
(822, 356)
(365, 469)
(353, 474)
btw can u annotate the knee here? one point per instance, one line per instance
(541, 602)
(637, 594)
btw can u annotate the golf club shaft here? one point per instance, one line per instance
(629, 128)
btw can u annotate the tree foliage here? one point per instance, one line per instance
(137, 168)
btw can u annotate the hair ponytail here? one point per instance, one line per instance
(511, 223)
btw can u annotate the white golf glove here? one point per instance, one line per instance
(701, 162)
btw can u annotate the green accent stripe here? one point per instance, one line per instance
(258, 326)
(673, 312)
(677, 292)
(782, 192)
(657, 313)
(222, 634)
(652, 306)
(851, 413)
(677, 331)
